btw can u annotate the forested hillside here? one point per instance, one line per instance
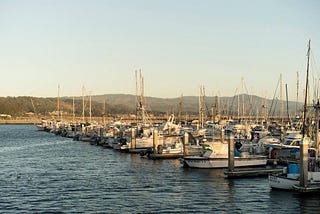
(124, 103)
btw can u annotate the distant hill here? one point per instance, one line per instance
(125, 103)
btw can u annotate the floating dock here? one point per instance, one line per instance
(308, 189)
(251, 172)
(164, 156)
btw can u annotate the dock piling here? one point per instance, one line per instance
(304, 162)
(230, 152)
(133, 138)
(155, 140)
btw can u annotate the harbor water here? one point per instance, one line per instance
(42, 173)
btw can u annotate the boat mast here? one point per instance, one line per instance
(142, 98)
(303, 144)
(201, 107)
(281, 103)
(218, 101)
(90, 112)
(180, 108)
(288, 115)
(306, 93)
(73, 110)
(242, 88)
(83, 103)
(297, 100)
(104, 112)
(137, 97)
(316, 138)
(238, 106)
(58, 102)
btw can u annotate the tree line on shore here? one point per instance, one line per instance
(126, 104)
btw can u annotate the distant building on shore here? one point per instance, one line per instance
(5, 116)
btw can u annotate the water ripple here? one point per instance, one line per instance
(43, 173)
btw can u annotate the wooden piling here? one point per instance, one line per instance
(133, 138)
(230, 152)
(155, 140)
(222, 136)
(185, 142)
(304, 162)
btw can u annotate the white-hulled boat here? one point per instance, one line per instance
(291, 174)
(217, 157)
(288, 179)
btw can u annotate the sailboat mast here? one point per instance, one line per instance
(104, 112)
(303, 144)
(281, 103)
(83, 103)
(238, 106)
(90, 112)
(287, 103)
(137, 97)
(142, 100)
(242, 86)
(180, 108)
(297, 99)
(73, 110)
(59, 115)
(306, 92)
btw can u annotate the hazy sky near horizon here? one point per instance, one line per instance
(178, 44)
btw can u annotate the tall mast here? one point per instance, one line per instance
(73, 110)
(104, 112)
(201, 107)
(281, 104)
(306, 92)
(218, 105)
(142, 99)
(137, 97)
(58, 107)
(288, 115)
(180, 108)
(242, 88)
(303, 144)
(238, 106)
(90, 109)
(297, 100)
(83, 104)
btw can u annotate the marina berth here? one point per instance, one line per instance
(290, 176)
(216, 156)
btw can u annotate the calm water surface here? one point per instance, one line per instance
(41, 173)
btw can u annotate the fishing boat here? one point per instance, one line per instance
(217, 157)
(305, 176)
(168, 147)
(291, 177)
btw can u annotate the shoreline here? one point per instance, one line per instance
(17, 122)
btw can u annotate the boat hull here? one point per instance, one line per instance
(282, 182)
(287, 182)
(208, 163)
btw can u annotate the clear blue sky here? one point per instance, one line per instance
(179, 45)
